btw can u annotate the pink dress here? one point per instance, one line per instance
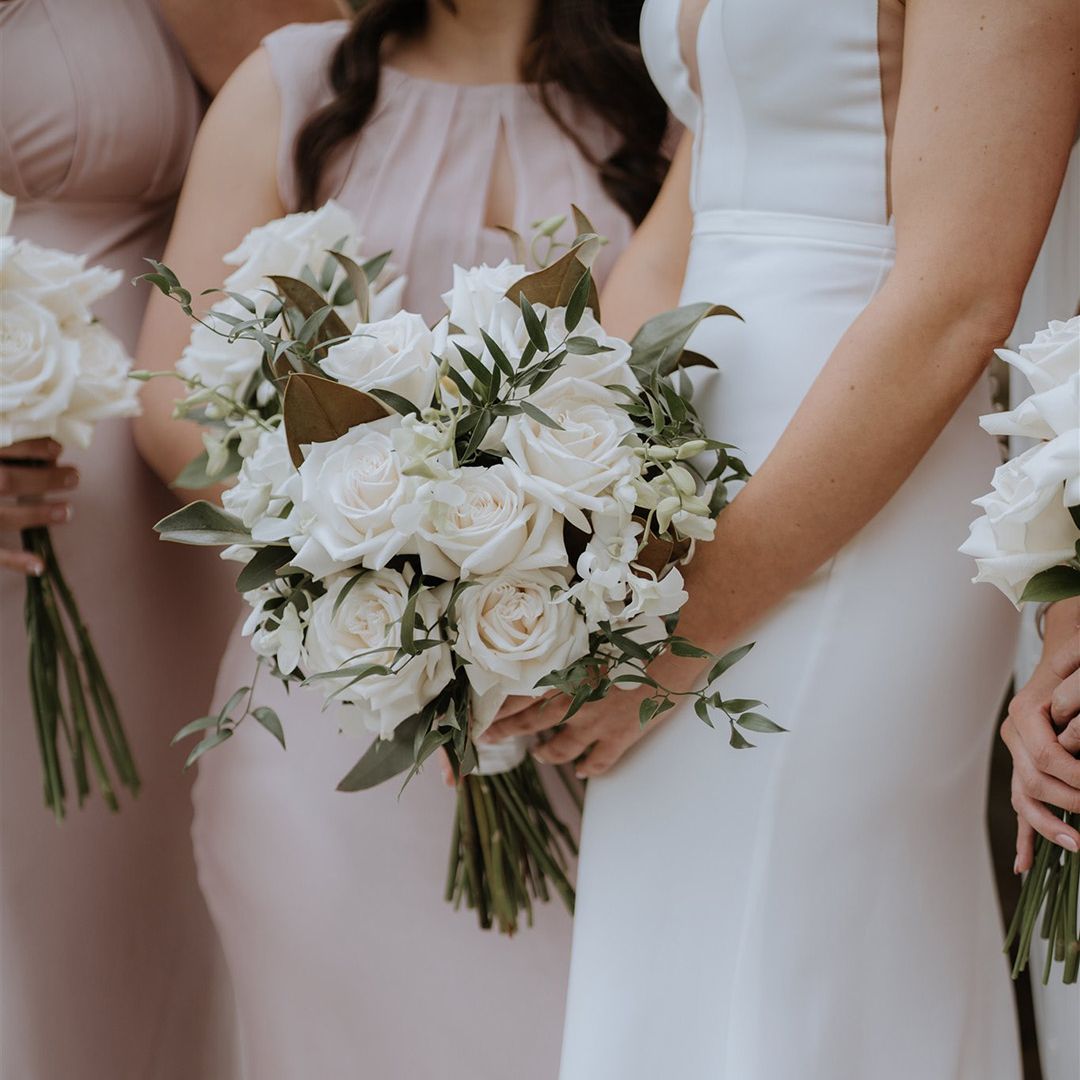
(346, 961)
(109, 956)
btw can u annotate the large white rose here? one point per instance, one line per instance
(366, 629)
(480, 520)
(475, 294)
(514, 628)
(394, 354)
(1051, 357)
(572, 466)
(348, 493)
(39, 366)
(266, 483)
(103, 390)
(287, 245)
(1026, 527)
(58, 280)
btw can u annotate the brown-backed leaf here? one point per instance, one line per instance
(658, 553)
(582, 225)
(554, 285)
(317, 410)
(307, 301)
(356, 277)
(517, 244)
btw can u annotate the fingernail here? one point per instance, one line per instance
(71, 479)
(581, 774)
(60, 514)
(1066, 841)
(37, 568)
(537, 756)
(1016, 865)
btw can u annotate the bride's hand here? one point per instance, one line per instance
(28, 472)
(1044, 768)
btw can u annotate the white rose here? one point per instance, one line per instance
(7, 212)
(572, 466)
(476, 292)
(264, 486)
(1051, 358)
(1026, 527)
(348, 493)
(58, 280)
(218, 363)
(514, 628)
(394, 355)
(289, 244)
(366, 629)
(39, 366)
(277, 634)
(481, 520)
(103, 390)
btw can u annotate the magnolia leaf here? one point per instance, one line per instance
(658, 553)
(204, 524)
(517, 244)
(358, 282)
(263, 567)
(317, 410)
(307, 301)
(554, 285)
(1049, 586)
(582, 225)
(385, 758)
(658, 347)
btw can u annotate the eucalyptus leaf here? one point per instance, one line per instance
(203, 524)
(657, 348)
(263, 567)
(385, 758)
(358, 281)
(194, 476)
(1049, 586)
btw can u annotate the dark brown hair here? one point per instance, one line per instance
(586, 47)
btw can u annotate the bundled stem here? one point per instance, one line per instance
(69, 693)
(1052, 889)
(507, 848)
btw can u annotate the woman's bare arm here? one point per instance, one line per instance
(231, 187)
(987, 114)
(216, 37)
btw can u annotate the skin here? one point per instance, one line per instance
(984, 83)
(231, 187)
(1042, 732)
(29, 470)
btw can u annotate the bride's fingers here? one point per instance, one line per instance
(1043, 821)
(517, 703)
(539, 716)
(19, 480)
(1037, 784)
(29, 515)
(1070, 737)
(22, 562)
(1065, 700)
(1028, 729)
(32, 450)
(565, 746)
(1067, 659)
(607, 752)
(1025, 846)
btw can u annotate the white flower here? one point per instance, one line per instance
(7, 212)
(39, 366)
(266, 483)
(277, 634)
(218, 363)
(366, 629)
(572, 466)
(103, 390)
(514, 629)
(349, 490)
(672, 495)
(287, 245)
(475, 293)
(58, 280)
(1026, 527)
(1051, 358)
(481, 520)
(394, 354)
(422, 446)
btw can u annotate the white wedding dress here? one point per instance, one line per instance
(820, 907)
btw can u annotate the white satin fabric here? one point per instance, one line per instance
(820, 907)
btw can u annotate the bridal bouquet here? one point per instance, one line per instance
(432, 520)
(60, 373)
(1027, 543)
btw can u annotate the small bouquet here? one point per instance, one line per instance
(433, 519)
(1027, 543)
(61, 372)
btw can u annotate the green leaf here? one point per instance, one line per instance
(657, 348)
(262, 567)
(533, 326)
(754, 721)
(701, 707)
(575, 307)
(401, 405)
(345, 590)
(738, 705)
(270, 720)
(647, 710)
(539, 415)
(214, 739)
(497, 354)
(726, 661)
(585, 346)
(476, 366)
(203, 524)
(738, 742)
(682, 647)
(358, 283)
(374, 266)
(459, 380)
(385, 758)
(307, 301)
(201, 724)
(1057, 583)
(194, 475)
(316, 410)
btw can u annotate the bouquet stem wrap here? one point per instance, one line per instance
(73, 705)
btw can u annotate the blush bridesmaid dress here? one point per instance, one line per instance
(110, 966)
(345, 959)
